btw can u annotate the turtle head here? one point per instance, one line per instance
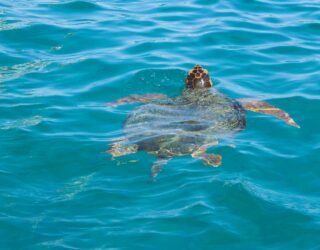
(198, 78)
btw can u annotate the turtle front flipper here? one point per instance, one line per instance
(158, 166)
(208, 159)
(266, 108)
(136, 98)
(119, 149)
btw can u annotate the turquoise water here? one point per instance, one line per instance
(61, 61)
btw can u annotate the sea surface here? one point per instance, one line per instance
(62, 61)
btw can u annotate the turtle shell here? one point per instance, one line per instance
(180, 125)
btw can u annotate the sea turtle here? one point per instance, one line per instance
(187, 124)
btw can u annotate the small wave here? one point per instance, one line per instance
(76, 6)
(13, 24)
(304, 205)
(21, 123)
(76, 186)
(8, 73)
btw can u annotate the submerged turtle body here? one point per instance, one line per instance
(188, 124)
(181, 125)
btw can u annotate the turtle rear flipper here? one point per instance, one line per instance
(208, 159)
(213, 160)
(157, 166)
(119, 149)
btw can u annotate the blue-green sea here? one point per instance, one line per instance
(62, 61)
